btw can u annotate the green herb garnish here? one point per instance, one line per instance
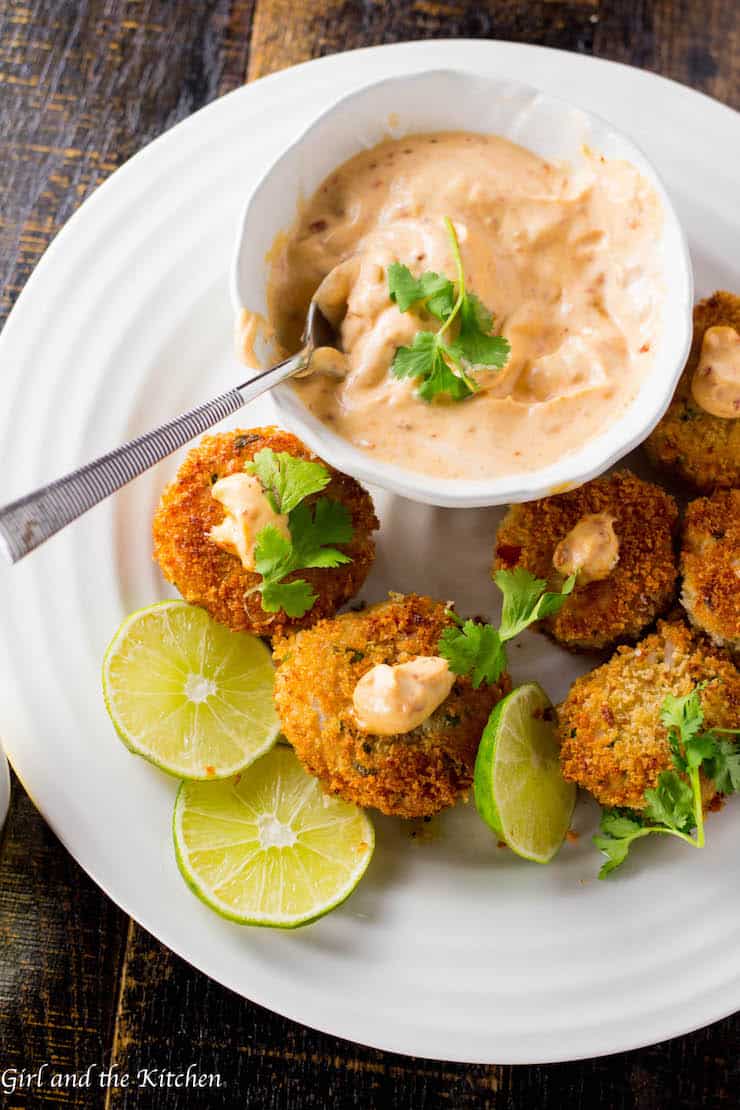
(477, 649)
(444, 365)
(287, 482)
(674, 806)
(526, 599)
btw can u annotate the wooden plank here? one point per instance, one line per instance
(290, 31)
(698, 44)
(172, 1015)
(82, 87)
(61, 947)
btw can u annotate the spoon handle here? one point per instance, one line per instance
(29, 521)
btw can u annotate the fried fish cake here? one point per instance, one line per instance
(641, 582)
(710, 565)
(689, 443)
(208, 575)
(413, 774)
(612, 741)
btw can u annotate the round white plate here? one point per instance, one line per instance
(450, 948)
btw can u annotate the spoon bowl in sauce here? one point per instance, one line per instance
(566, 234)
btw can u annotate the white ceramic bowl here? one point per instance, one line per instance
(455, 100)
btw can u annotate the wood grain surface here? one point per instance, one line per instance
(83, 85)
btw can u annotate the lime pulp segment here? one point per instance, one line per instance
(519, 787)
(269, 847)
(188, 694)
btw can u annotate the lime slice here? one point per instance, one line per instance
(269, 847)
(519, 787)
(187, 694)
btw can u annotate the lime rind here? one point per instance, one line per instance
(188, 695)
(268, 848)
(518, 784)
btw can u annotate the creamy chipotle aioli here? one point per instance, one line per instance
(716, 381)
(566, 259)
(248, 511)
(389, 701)
(590, 549)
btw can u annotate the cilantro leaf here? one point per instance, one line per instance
(403, 287)
(526, 599)
(414, 361)
(478, 650)
(294, 598)
(314, 529)
(723, 766)
(685, 714)
(287, 480)
(272, 553)
(616, 851)
(620, 822)
(441, 302)
(698, 749)
(311, 529)
(619, 828)
(671, 802)
(435, 290)
(473, 343)
(475, 650)
(441, 379)
(425, 359)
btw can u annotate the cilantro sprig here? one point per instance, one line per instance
(444, 365)
(674, 806)
(526, 599)
(478, 650)
(287, 482)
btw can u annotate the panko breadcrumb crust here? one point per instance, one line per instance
(710, 565)
(641, 586)
(700, 449)
(612, 741)
(207, 575)
(411, 775)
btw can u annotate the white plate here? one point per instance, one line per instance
(450, 948)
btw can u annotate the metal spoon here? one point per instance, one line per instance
(29, 521)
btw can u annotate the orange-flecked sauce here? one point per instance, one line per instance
(566, 259)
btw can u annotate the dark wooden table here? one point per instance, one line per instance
(83, 85)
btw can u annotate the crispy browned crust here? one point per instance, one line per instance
(710, 565)
(612, 741)
(412, 775)
(642, 584)
(207, 575)
(701, 450)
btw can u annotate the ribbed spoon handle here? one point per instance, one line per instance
(29, 521)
